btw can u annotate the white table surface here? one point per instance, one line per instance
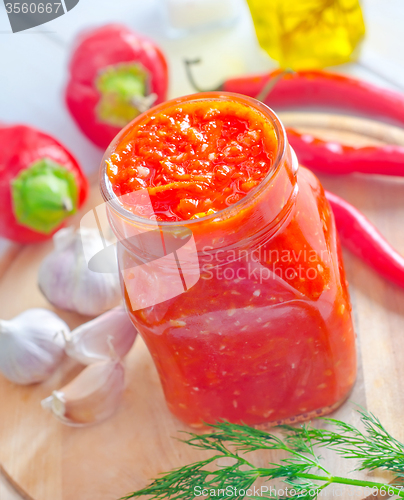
(33, 67)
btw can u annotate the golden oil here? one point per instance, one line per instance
(308, 34)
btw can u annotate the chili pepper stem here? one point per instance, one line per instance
(191, 62)
(270, 84)
(261, 96)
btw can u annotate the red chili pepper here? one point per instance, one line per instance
(315, 88)
(115, 75)
(321, 88)
(41, 184)
(361, 237)
(331, 157)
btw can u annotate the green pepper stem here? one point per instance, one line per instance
(124, 93)
(44, 195)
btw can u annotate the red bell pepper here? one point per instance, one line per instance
(331, 157)
(41, 184)
(115, 75)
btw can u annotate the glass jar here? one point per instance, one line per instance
(261, 330)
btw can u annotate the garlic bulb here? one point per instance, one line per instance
(91, 397)
(67, 282)
(94, 341)
(31, 345)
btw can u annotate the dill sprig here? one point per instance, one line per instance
(301, 470)
(374, 449)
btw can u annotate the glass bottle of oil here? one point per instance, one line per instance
(308, 34)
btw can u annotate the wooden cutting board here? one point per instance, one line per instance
(48, 461)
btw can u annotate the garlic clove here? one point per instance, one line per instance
(94, 340)
(31, 346)
(93, 396)
(67, 282)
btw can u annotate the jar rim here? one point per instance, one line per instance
(112, 199)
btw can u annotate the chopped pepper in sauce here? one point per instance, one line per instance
(194, 160)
